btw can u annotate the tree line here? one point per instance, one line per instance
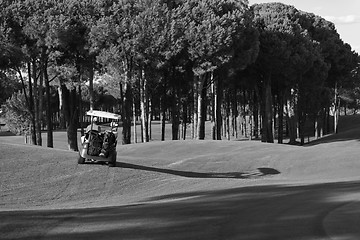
(183, 61)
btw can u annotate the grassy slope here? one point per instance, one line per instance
(33, 177)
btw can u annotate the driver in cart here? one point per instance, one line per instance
(93, 126)
(99, 143)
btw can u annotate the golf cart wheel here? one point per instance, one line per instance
(81, 160)
(112, 162)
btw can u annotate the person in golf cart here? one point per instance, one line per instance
(109, 138)
(101, 142)
(100, 146)
(93, 126)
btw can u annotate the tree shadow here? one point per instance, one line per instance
(6, 134)
(257, 212)
(348, 135)
(259, 172)
(348, 130)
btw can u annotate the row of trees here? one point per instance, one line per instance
(197, 60)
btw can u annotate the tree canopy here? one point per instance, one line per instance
(184, 61)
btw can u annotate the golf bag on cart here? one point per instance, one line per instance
(109, 143)
(95, 143)
(99, 146)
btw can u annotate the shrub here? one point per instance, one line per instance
(17, 115)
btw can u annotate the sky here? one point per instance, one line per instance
(345, 14)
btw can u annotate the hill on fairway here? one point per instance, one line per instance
(185, 190)
(36, 177)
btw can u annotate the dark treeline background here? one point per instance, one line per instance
(264, 71)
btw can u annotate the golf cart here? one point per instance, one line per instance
(98, 145)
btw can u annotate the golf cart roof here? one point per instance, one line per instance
(103, 114)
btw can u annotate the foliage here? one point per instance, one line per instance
(17, 115)
(154, 49)
(213, 28)
(8, 85)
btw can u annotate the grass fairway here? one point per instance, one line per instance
(184, 190)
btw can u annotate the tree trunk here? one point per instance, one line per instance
(281, 118)
(318, 128)
(291, 117)
(217, 104)
(149, 117)
(275, 113)
(91, 87)
(36, 104)
(213, 112)
(141, 123)
(244, 128)
(163, 116)
(41, 101)
(301, 107)
(62, 122)
(327, 120)
(163, 106)
(175, 114)
(71, 116)
(256, 113)
(49, 123)
(144, 107)
(81, 114)
(73, 121)
(336, 109)
(201, 111)
(126, 97)
(31, 107)
(268, 113)
(195, 109)
(134, 121)
(184, 120)
(227, 117)
(235, 114)
(302, 119)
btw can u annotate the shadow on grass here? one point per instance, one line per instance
(348, 130)
(348, 135)
(259, 212)
(241, 175)
(6, 133)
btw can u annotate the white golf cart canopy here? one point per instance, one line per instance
(103, 114)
